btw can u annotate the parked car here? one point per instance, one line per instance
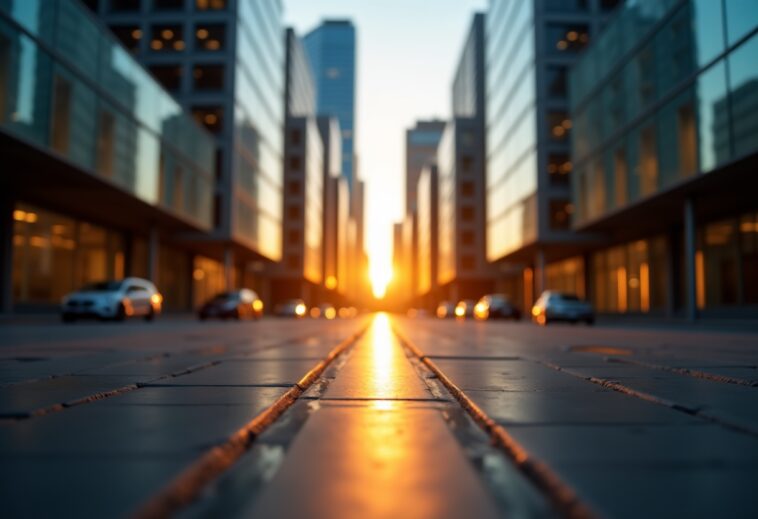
(558, 306)
(116, 299)
(445, 310)
(496, 306)
(465, 308)
(292, 308)
(237, 304)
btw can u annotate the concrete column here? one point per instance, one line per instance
(690, 248)
(229, 267)
(672, 273)
(539, 273)
(153, 249)
(6, 255)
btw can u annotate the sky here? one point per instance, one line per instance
(407, 53)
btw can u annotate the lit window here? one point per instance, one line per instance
(560, 214)
(567, 38)
(209, 116)
(210, 5)
(467, 188)
(559, 125)
(558, 167)
(167, 38)
(125, 5)
(210, 37)
(467, 213)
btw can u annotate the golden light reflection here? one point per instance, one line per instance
(383, 366)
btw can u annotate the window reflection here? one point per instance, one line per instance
(129, 36)
(559, 125)
(210, 37)
(209, 116)
(208, 77)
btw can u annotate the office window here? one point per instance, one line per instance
(209, 116)
(467, 213)
(295, 163)
(566, 6)
(560, 214)
(293, 237)
(168, 5)
(208, 77)
(61, 123)
(558, 168)
(210, 5)
(467, 164)
(167, 38)
(557, 81)
(296, 137)
(563, 38)
(648, 161)
(620, 178)
(293, 212)
(128, 35)
(559, 125)
(468, 262)
(106, 144)
(118, 6)
(293, 187)
(169, 76)
(467, 238)
(210, 37)
(467, 188)
(687, 140)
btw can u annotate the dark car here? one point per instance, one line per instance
(496, 306)
(237, 304)
(557, 306)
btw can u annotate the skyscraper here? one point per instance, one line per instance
(223, 61)
(462, 267)
(331, 47)
(530, 46)
(421, 143)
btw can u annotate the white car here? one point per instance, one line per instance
(113, 300)
(557, 306)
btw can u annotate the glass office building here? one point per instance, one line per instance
(665, 112)
(530, 46)
(223, 61)
(98, 160)
(331, 48)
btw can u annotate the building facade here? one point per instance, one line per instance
(104, 174)
(463, 271)
(665, 149)
(530, 46)
(421, 143)
(301, 271)
(224, 61)
(428, 232)
(331, 48)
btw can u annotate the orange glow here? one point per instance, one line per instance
(331, 282)
(481, 311)
(645, 287)
(330, 313)
(700, 279)
(300, 310)
(156, 299)
(315, 312)
(621, 287)
(381, 275)
(257, 305)
(460, 311)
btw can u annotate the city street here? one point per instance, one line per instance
(378, 416)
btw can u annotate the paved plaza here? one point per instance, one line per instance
(376, 417)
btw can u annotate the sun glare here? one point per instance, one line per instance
(380, 274)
